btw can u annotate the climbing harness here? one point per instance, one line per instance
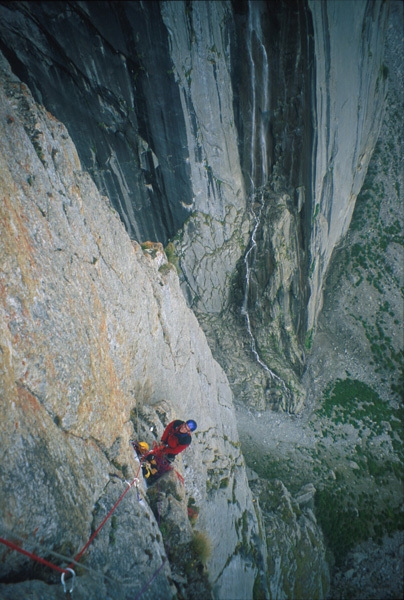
(157, 465)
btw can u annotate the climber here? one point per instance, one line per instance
(177, 437)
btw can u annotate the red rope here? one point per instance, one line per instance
(101, 525)
(80, 554)
(33, 556)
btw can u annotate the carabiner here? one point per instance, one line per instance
(72, 581)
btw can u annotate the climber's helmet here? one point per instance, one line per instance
(192, 425)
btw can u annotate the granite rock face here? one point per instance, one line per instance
(296, 565)
(105, 71)
(241, 131)
(351, 85)
(201, 36)
(190, 116)
(97, 341)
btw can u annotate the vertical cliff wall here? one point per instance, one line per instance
(96, 340)
(105, 70)
(240, 130)
(201, 35)
(350, 93)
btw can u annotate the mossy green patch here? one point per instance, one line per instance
(352, 401)
(363, 500)
(347, 522)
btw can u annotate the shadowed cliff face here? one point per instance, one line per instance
(241, 130)
(104, 69)
(274, 55)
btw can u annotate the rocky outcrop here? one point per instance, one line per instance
(97, 346)
(241, 131)
(292, 531)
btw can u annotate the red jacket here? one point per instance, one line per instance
(175, 440)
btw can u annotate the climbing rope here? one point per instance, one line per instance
(95, 574)
(32, 556)
(46, 563)
(69, 570)
(152, 578)
(134, 481)
(101, 525)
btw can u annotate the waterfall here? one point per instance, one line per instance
(249, 263)
(259, 69)
(260, 104)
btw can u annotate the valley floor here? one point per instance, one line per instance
(354, 507)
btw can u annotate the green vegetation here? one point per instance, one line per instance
(241, 526)
(217, 479)
(172, 256)
(187, 554)
(354, 402)
(385, 358)
(364, 499)
(188, 76)
(309, 339)
(193, 511)
(258, 589)
(39, 152)
(316, 212)
(166, 269)
(346, 522)
(201, 547)
(355, 463)
(375, 231)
